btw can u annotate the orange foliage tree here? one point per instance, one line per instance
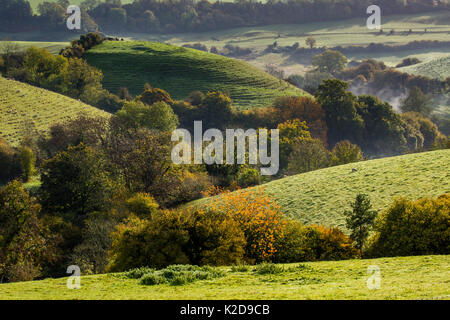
(259, 217)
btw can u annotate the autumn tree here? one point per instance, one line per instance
(258, 216)
(305, 109)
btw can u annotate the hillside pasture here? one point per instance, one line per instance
(322, 196)
(438, 68)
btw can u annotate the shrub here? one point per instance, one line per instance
(294, 246)
(171, 237)
(178, 275)
(413, 228)
(155, 243)
(330, 243)
(242, 267)
(312, 243)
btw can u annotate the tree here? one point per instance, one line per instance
(216, 110)
(310, 41)
(330, 61)
(417, 101)
(152, 95)
(158, 116)
(360, 219)
(291, 132)
(305, 109)
(383, 128)
(52, 13)
(143, 159)
(75, 181)
(409, 227)
(345, 152)
(117, 18)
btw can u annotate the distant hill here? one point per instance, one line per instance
(22, 105)
(181, 70)
(321, 196)
(438, 68)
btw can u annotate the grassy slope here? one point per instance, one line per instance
(320, 197)
(180, 71)
(37, 105)
(423, 277)
(435, 68)
(53, 47)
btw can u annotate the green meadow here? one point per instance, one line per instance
(321, 196)
(181, 70)
(422, 277)
(23, 105)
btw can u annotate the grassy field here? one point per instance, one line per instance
(22, 105)
(180, 71)
(321, 196)
(423, 277)
(434, 68)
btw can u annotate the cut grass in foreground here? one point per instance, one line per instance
(321, 196)
(422, 277)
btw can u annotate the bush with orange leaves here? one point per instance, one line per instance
(259, 217)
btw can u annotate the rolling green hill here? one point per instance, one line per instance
(23, 105)
(321, 196)
(181, 70)
(312, 280)
(438, 68)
